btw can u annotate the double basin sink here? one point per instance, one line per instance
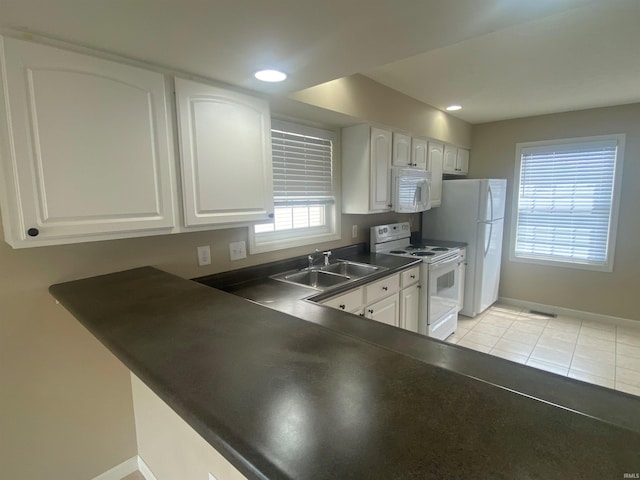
(328, 276)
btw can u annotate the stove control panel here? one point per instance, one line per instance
(393, 231)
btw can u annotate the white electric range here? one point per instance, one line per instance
(440, 277)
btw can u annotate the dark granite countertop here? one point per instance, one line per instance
(302, 391)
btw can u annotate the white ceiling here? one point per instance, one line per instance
(477, 52)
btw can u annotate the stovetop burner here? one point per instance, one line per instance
(397, 251)
(440, 249)
(423, 254)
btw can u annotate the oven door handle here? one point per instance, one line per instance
(437, 265)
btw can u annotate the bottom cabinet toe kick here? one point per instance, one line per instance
(281, 396)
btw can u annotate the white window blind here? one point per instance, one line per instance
(566, 202)
(302, 169)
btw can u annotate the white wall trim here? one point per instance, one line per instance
(127, 467)
(122, 470)
(145, 470)
(596, 317)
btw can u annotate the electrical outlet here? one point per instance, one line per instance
(354, 231)
(204, 255)
(237, 250)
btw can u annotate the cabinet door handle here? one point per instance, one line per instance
(342, 306)
(33, 232)
(370, 311)
(361, 314)
(385, 288)
(270, 215)
(412, 276)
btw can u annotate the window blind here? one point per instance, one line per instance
(302, 169)
(565, 202)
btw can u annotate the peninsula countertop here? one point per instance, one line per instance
(303, 391)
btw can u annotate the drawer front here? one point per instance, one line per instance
(382, 288)
(349, 302)
(409, 277)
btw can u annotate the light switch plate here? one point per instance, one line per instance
(204, 255)
(237, 250)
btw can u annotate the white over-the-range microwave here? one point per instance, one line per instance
(410, 189)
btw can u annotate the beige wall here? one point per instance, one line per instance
(65, 402)
(616, 293)
(370, 101)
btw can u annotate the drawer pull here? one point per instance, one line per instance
(385, 288)
(342, 306)
(412, 276)
(370, 311)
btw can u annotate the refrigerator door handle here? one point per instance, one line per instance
(487, 240)
(491, 200)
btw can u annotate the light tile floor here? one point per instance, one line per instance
(600, 353)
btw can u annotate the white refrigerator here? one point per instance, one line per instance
(472, 211)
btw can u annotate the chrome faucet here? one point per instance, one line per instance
(311, 258)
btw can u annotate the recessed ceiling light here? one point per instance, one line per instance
(270, 75)
(453, 108)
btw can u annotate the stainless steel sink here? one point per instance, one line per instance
(318, 279)
(327, 276)
(351, 269)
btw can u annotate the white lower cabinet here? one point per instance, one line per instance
(86, 148)
(386, 310)
(410, 299)
(409, 307)
(351, 301)
(393, 300)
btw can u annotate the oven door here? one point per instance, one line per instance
(445, 288)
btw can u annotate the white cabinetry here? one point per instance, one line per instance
(419, 153)
(401, 150)
(410, 299)
(366, 169)
(386, 310)
(456, 160)
(225, 155)
(462, 161)
(434, 165)
(393, 299)
(86, 150)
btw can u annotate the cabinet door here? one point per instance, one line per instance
(462, 161)
(90, 154)
(401, 150)
(380, 199)
(436, 153)
(450, 157)
(419, 153)
(225, 155)
(385, 311)
(409, 307)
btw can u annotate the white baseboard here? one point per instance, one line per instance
(127, 467)
(569, 312)
(119, 471)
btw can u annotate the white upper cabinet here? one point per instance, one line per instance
(462, 161)
(401, 150)
(456, 160)
(449, 159)
(225, 155)
(86, 152)
(419, 153)
(434, 165)
(366, 169)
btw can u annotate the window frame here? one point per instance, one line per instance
(615, 202)
(284, 239)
